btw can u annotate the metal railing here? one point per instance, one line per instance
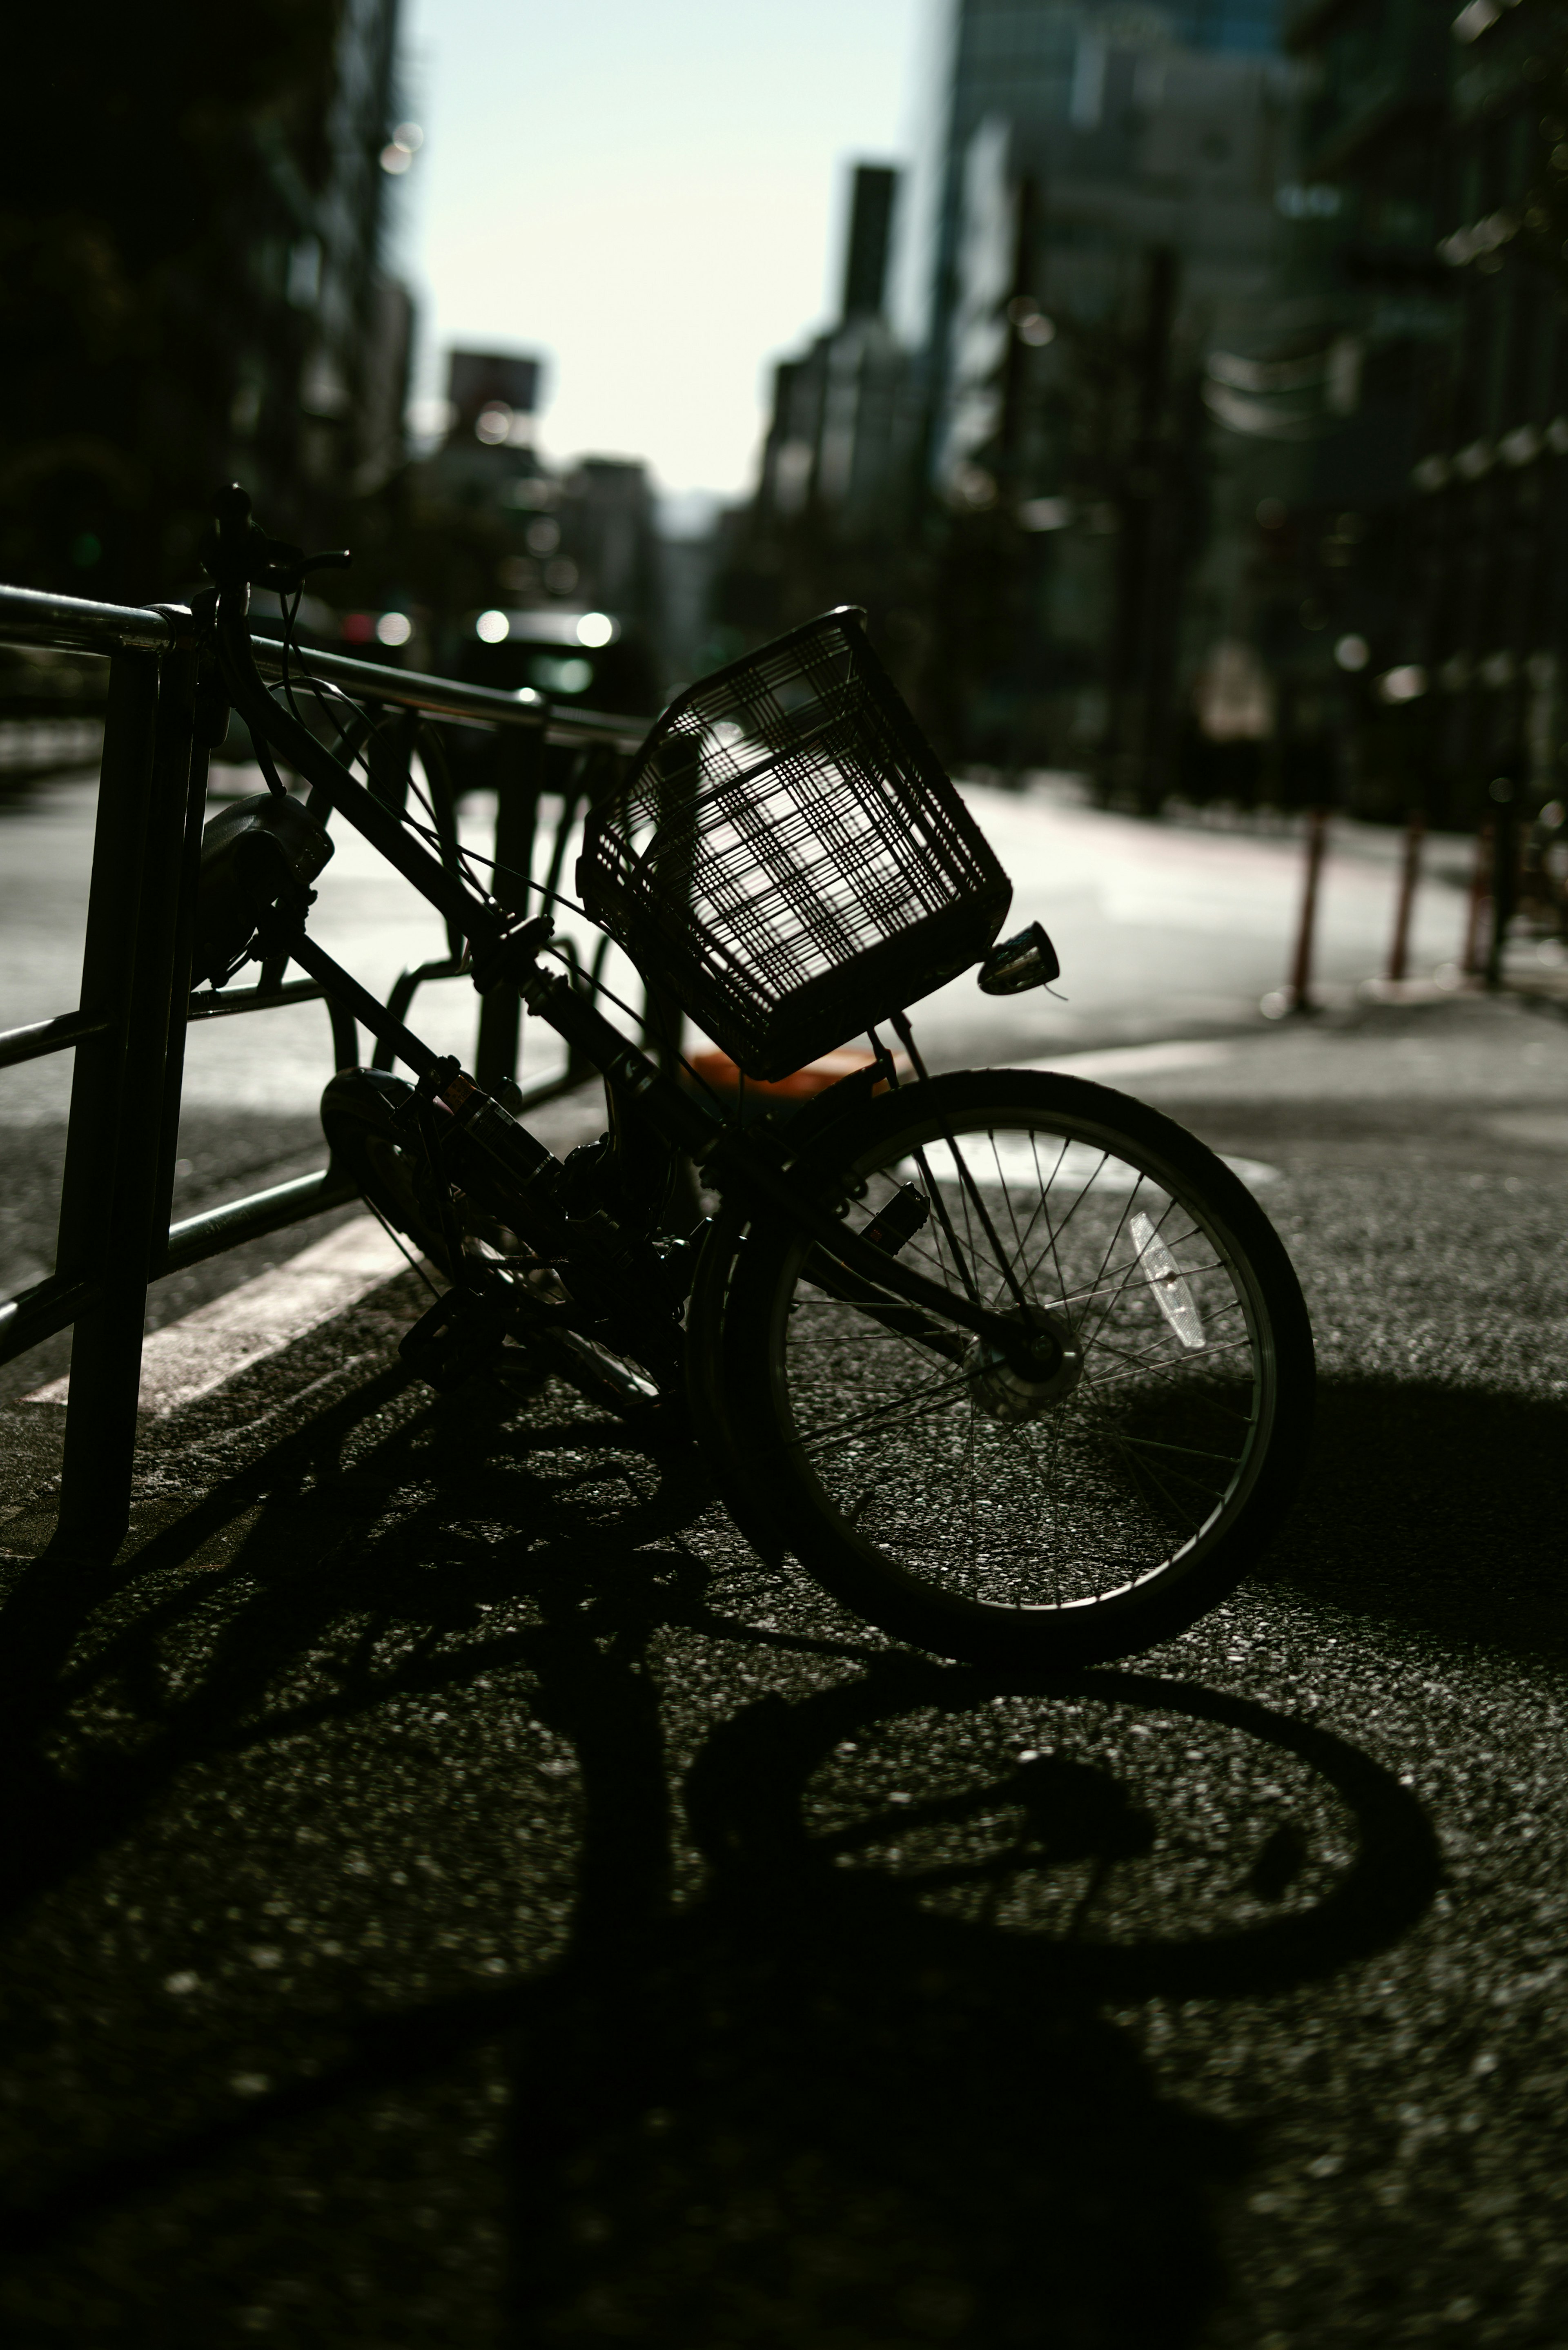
(129, 1028)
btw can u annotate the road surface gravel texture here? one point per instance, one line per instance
(458, 1895)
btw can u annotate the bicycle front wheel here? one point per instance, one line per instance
(962, 1502)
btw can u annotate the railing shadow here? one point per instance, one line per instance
(309, 1580)
(851, 2071)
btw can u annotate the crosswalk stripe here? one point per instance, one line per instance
(191, 1356)
(1131, 1060)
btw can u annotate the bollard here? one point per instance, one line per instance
(1409, 878)
(111, 1206)
(1298, 994)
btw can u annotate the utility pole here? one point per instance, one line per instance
(1140, 670)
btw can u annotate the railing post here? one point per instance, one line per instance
(110, 1207)
(388, 750)
(208, 714)
(519, 780)
(84, 1250)
(662, 1021)
(589, 772)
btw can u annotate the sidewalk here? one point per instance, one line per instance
(1471, 1078)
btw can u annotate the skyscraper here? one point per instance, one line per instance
(1106, 213)
(834, 516)
(1063, 75)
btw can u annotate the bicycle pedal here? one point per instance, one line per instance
(898, 1220)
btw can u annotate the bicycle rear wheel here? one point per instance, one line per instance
(983, 1514)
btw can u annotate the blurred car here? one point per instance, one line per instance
(594, 660)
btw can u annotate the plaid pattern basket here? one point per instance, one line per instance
(786, 856)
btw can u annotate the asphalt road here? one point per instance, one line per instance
(455, 1894)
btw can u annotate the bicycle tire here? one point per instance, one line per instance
(358, 1118)
(1004, 1521)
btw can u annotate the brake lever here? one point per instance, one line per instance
(288, 568)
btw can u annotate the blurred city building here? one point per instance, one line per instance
(1231, 459)
(1108, 217)
(1052, 529)
(1440, 142)
(1336, 380)
(693, 550)
(1075, 83)
(192, 213)
(1231, 466)
(518, 573)
(1410, 604)
(836, 515)
(1486, 618)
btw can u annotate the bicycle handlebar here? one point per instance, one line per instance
(236, 550)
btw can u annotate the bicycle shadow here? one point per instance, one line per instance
(790, 2097)
(811, 2107)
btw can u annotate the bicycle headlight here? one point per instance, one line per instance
(242, 850)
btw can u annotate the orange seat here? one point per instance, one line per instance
(718, 1070)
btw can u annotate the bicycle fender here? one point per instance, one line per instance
(846, 1094)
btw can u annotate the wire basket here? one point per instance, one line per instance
(786, 857)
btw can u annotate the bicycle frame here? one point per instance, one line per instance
(505, 954)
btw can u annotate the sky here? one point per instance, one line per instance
(650, 194)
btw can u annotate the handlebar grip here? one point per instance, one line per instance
(232, 507)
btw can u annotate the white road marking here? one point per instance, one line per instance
(190, 1358)
(1130, 1060)
(1547, 1129)
(1152, 1061)
(1253, 1171)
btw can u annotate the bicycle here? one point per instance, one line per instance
(1012, 1364)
